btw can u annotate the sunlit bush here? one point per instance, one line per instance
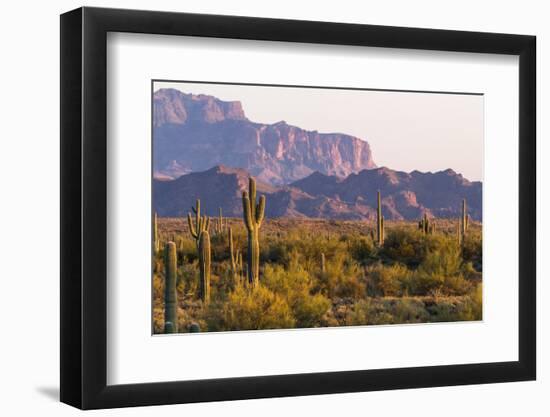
(250, 309)
(390, 280)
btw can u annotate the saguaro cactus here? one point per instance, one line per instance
(323, 263)
(426, 226)
(169, 327)
(235, 259)
(204, 266)
(464, 218)
(253, 215)
(170, 296)
(219, 223)
(240, 266)
(156, 241)
(379, 223)
(202, 223)
(199, 231)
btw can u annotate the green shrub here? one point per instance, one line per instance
(387, 281)
(250, 309)
(472, 249)
(363, 250)
(388, 311)
(440, 271)
(295, 286)
(344, 278)
(310, 310)
(405, 246)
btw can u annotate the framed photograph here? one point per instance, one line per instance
(257, 208)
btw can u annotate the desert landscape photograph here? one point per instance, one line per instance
(278, 207)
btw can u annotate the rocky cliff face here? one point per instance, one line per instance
(195, 132)
(170, 106)
(405, 196)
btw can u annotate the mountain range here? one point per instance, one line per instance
(405, 196)
(196, 132)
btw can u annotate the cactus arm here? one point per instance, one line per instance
(191, 227)
(207, 225)
(246, 211)
(231, 252)
(202, 224)
(260, 210)
(197, 211)
(382, 230)
(252, 191)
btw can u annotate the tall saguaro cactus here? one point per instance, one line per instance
(462, 224)
(199, 231)
(379, 223)
(323, 263)
(464, 218)
(236, 259)
(156, 241)
(204, 266)
(170, 295)
(219, 223)
(253, 214)
(202, 223)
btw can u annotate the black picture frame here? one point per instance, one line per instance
(84, 207)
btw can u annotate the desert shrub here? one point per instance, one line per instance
(187, 250)
(286, 282)
(465, 308)
(388, 311)
(476, 302)
(440, 271)
(408, 310)
(250, 309)
(310, 310)
(158, 287)
(343, 278)
(295, 286)
(470, 272)
(307, 248)
(405, 246)
(359, 314)
(445, 260)
(472, 249)
(471, 307)
(188, 279)
(363, 250)
(392, 280)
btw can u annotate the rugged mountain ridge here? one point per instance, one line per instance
(195, 132)
(406, 196)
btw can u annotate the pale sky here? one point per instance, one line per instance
(406, 130)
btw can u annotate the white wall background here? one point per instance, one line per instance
(29, 175)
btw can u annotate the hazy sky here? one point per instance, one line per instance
(406, 131)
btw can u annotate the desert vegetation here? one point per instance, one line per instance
(255, 273)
